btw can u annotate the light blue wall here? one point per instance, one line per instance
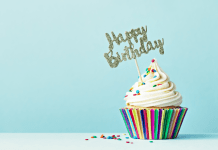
(54, 78)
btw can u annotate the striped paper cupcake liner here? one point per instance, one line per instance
(153, 123)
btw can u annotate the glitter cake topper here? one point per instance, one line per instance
(130, 52)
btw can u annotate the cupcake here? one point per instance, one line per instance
(153, 108)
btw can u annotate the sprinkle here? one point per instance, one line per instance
(152, 60)
(137, 91)
(143, 83)
(130, 91)
(154, 76)
(95, 136)
(144, 76)
(127, 141)
(124, 134)
(148, 72)
(118, 135)
(131, 142)
(127, 137)
(135, 137)
(119, 139)
(146, 69)
(113, 135)
(138, 94)
(149, 69)
(109, 137)
(102, 136)
(86, 139)
(125, 96)
(151, 141)
(134, 94)
(153, 70)
(154, 85)
(114, 138)
(92, 136)
(159, 84)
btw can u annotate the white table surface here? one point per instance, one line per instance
(76, 141)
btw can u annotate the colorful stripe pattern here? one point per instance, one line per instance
(153, 124)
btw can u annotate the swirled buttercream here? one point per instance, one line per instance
(156, 89)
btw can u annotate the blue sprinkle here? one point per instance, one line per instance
(137, 91)
(143, 83)
(154, 76)
(135, 137)
(127, 137)
(109, 137)
(144, 76)
(154, 70)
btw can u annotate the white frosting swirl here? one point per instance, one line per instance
(157, 91)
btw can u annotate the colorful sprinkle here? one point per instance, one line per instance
(143, 83)
(127, 137)
(113, 135)
(102, 136)
(149, 69)
(137, 91)
(127, 141)
(109, 137)
(153, 70)
(151, 141)
(154, 85)
(119, 139)
(148, 72)
(92, 136)
(95, 136)
(152, 60)
(154, 76)
(124, 134)
(134, 94)
(118, 135)
(131, 142)
(126, 95)
(159, 84)
(144, 76)
(86, 139)
(146, 69)
(138, 94)
(135, 137)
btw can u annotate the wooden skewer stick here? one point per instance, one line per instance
(138, 70)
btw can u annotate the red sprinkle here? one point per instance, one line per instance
(118, 135)
(159, 84)
(152, 60)
(134, 94)
(86, 139)
(125, 96)
(152, 70)
(127, 141)
(131, 142)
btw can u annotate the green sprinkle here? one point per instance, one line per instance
(94, 136)
(119, 139)
(151, 141)
(154, 85)
(147, 69)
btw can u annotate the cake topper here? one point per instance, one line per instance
(129, 51)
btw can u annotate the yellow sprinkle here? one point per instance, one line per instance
(124, 134)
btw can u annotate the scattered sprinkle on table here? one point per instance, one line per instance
(118, 135)
(127, 137)
(131, 142)
(86, 139)
(124, 134)
(127, 141)
(151, 141)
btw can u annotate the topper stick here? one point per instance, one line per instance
(138, 70)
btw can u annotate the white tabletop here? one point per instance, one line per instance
(76, 141)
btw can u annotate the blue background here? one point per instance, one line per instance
(54, 78)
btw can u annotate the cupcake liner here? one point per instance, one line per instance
(153, 123)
